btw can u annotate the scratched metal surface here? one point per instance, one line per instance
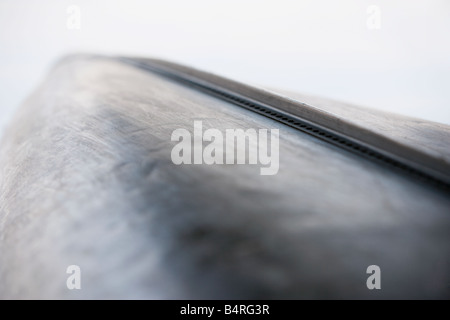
(429, 137)
(86, 178)
(397, 138)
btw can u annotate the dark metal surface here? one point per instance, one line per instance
(400, 150)
(87, 179)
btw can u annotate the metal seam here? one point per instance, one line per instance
(305, 126)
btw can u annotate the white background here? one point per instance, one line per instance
(320, 47)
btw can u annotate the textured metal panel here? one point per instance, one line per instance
(87, 179)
